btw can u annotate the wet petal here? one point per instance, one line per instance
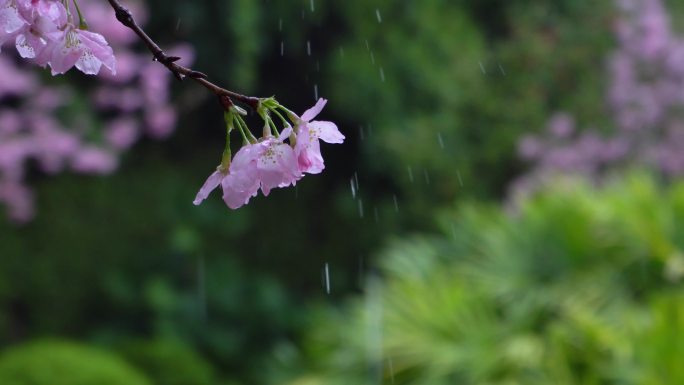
(326, 131)
(314, 111)
(212, 182)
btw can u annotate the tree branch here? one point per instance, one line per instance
(124, 16)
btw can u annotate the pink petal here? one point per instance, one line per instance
(327, 131)
(310, 159)
(314, 111)
(95, 53)
(246, 156)
(238, 188)
(278, 167)
(10, 21)
(63, 58)
(28, 44)
(285, 133)
(212, 182)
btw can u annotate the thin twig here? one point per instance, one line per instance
(180, 72)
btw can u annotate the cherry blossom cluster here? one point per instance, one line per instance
(53, 34)
(645, 97)
(270, 161)
(54, 126)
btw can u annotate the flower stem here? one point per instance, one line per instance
(82, 24)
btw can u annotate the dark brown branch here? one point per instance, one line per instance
(126, 18)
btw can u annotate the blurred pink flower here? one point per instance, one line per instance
(124, 105)
(94, 160)
(122, 133)
(160, 121)
(646, 96)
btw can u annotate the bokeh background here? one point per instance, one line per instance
(507, 207)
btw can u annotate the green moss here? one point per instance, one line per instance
(169, 362)
(65, 363)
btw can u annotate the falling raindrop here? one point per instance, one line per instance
(427, 176)
(178, 24)
(315, 92)
(502, 70)
(353, 188)
(382, 75)
(396, 203)
(460, 181)
(367, 45)
(410, 173)
(360, 208)
(342, 52)
(440, 140)
(483, 69)
(308, 47)
(312, 6)
(377, 14)
(356, 179)
(372, 58)
(327, 278)
(361, 135)
(282, 48)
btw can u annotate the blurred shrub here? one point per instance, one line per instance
(574, 286)
(64, 363)
(168, 362)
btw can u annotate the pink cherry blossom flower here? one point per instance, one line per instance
(243, 181)
(307, 149)
(267, 164)
(209, 185)
(46, 23)
(277, 165)
(86, 50)
(94, 160)
(10, 20)
(239, 182)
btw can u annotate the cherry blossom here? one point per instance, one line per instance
(10, 20)
(45, 31)
(267, 164)
(120, 109)
(308, 149)
(86, 50)
(211, 183)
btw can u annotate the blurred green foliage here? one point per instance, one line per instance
(168, 362)
(573, 286)
(65, 363)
